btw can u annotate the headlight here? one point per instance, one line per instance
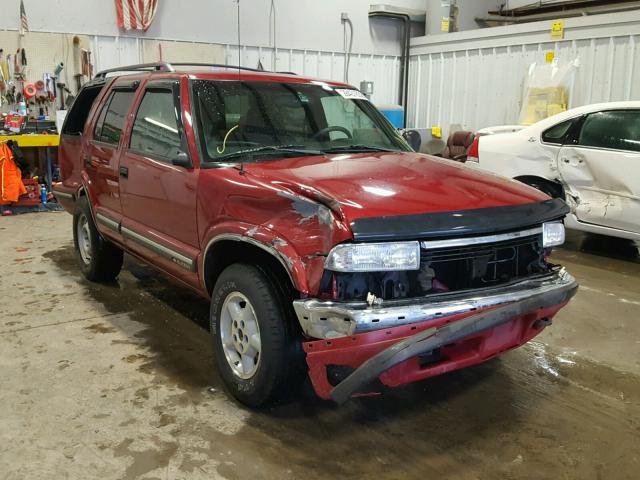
(552, 234)
(374, 257)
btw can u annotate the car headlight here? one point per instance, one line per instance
(374, 257)
(552, 234)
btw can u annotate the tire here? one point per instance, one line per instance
(99, 259)
(253, 379)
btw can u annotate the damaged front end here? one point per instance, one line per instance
(402, 311)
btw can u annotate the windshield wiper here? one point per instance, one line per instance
(358, 148)
(294, 149)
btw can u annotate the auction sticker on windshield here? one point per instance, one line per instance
(351, 93)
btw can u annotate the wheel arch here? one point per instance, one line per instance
(227, 249)
(83, 191)
(534, 181)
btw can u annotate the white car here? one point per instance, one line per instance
(588, 155)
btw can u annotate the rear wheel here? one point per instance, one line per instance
(251, 341)
(99, 259)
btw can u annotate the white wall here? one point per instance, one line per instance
(383, 70)
(301, 24)
(468, 10)
(475, 78)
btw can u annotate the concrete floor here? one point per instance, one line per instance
(117, 382)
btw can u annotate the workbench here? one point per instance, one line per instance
(36, 140)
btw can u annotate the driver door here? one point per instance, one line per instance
(602, 169)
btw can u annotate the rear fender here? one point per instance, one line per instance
(84, 187)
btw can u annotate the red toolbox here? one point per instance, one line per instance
(32, 197)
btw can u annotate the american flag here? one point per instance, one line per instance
(135, 14)
(24, 24)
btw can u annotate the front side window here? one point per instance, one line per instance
(617, 130)
(155, 129)
(558, 134)
(111, 120)
(258, 119)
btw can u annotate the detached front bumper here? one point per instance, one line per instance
(404, 342)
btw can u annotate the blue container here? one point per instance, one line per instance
(43, 195)
(394, 113)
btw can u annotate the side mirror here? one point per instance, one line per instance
(413, 138)
(182, 160)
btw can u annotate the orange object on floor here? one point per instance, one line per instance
(11, 186)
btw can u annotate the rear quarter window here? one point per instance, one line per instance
(558, 134)
(79, 112)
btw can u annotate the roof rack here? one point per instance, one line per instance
(142, 67)
(216, 65)
(168, 67)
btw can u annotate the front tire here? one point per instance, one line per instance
(251, 342)
(99, 259)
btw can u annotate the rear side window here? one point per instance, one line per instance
(617, 130)
(111, 120)
(155, 130)
(77, 116)
(558, 134)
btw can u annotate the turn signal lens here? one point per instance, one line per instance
(552, 234)
(474, 150)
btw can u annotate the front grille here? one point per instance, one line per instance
(445, 269)
(476, 266)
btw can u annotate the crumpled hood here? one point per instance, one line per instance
(392, 184)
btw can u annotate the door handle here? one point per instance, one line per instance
(579, 160)
(124, 172)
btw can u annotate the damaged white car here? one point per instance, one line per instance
(590, 156)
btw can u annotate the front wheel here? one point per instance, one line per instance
(251, 341)
(99, 259)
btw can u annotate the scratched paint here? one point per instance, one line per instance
(308, 209)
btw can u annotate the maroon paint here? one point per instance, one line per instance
(353, 351)
(377, 184)
(186, 209)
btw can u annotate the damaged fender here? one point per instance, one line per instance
(278, 221)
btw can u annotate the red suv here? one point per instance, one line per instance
(319, 236)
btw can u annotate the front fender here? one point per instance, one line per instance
(296, 227)
(304, 272)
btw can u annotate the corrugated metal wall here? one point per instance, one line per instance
(382, 70)
(475, 78)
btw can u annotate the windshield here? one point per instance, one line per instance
(252, 120)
